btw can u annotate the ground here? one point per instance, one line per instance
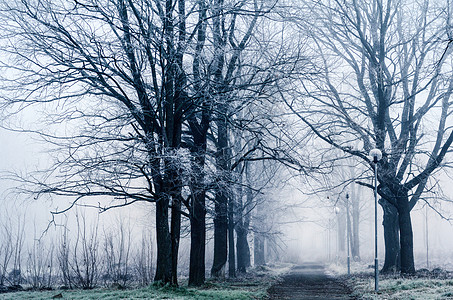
(309, 281)
(281, 281)
(253, 285)
(433, 284)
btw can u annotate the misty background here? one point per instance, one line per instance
(143, 141)
(308, 228)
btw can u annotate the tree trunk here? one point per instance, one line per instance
(164, 263)
(197, 240)
(242, 249)
(231, 253)
(247, 217)
(355, 246)
(220, 235)
(221, 199)
(241, 231)
(259, 257)
(348, 229)
(248, 259)
(242, 220)
(173, 183)
(258, 249)
(406, 236)
(391, 237)
(175, 236)
(197, 209)
(341, 231)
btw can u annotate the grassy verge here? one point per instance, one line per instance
(398, 288)
(225, 290)
(252, 285)
(142, 293)
(426, 285)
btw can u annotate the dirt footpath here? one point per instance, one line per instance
(309, 281)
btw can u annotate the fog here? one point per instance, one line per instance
(308, 227)
(151, 143)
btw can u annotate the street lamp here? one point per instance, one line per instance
(426, 234)
(348, 225)
(376, 155)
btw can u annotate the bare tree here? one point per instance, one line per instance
(143, 260)
(117, 250)
(6, 251)
(40, 264)
(125, 88)
(113, 66)
(79, 260)
(63, 260)
(15, 276)
(243, 85)
(384, 79)
(345, 194)
(12, 235)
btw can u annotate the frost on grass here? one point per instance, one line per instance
(143, 293)
(274, 269)
(425, 284)
(405, 288)
(252, 285)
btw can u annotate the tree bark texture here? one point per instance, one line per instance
(175, 236)
(198, 240)
(221, 221)
(163, 240)
(242, 217)
(197, 266)
(231, 252)
(197, 208)
(391, 237)
(406, 235)
(242, 249)
(220, 235)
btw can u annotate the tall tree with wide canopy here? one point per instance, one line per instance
(112, 74)
(129, 90)
(384, 78)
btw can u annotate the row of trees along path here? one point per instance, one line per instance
(142, 102)
(167, 102)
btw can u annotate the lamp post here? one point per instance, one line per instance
(347, 233)
(376, 155)
(426, 233)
